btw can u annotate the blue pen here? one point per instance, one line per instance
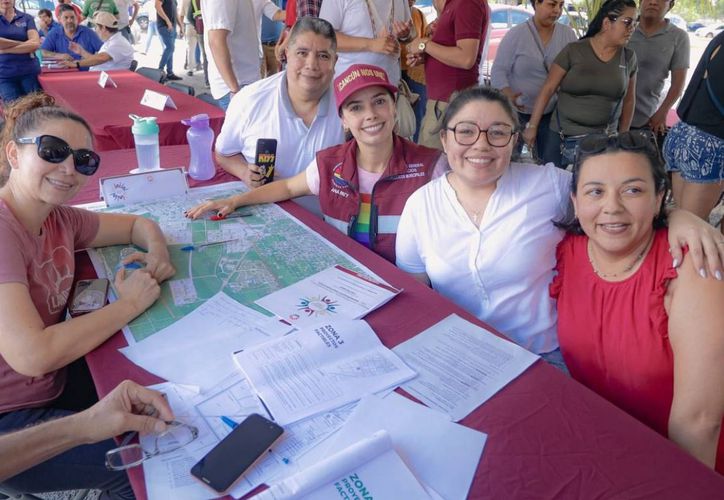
(232, 425)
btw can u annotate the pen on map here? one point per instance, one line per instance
(232, 215)
(130, 266)
(232, 425)
(191, 248)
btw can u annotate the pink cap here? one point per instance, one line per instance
(358, 77)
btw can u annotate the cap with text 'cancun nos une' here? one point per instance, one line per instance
(358, 77)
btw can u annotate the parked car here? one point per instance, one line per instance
(695, 26)
(33, 6)
(502, 18)
(710, 31)
(677, 21)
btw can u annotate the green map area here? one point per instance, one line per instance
(270, 250)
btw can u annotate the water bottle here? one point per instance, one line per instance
(200, 138)
(145, 135)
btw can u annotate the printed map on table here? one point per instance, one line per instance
(270, 250)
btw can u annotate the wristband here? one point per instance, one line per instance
(529, 125)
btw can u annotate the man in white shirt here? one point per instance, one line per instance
(369, 32)
(232, 43)
(115, 53)
(296, 107)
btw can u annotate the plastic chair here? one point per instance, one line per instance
(186, 89)
(208, 98)
(134, 65)
(154, 74)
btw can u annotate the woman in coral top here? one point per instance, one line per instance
(644, 334)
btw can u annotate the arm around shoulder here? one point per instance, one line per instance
(696, 333)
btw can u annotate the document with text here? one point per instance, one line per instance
(336, 292)
(460, 365)
(369, 468)
(320, 368)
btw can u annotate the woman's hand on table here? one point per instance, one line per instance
(223, 206)
(159, 266)
(140, 289)
(706, 243)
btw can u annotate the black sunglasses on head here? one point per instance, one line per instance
(630, 141)
(55, 150)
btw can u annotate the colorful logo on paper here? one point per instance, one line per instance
(318, 306)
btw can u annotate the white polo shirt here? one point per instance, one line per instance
(499, 272)
(120, 51)
(352, 18)
(263, 110)
(242, 19)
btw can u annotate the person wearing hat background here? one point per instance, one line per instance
(115, 53)
(364, 183)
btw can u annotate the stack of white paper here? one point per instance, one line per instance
(334, 293)
(460, 365)
(320, 368)
(369, 468)
(208, 336)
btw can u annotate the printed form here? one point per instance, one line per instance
(320, 368)
(460, 365)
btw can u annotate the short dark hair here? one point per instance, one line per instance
(610, 9)
(46, 12)
(315, 25)
(459, 99)
(65, 7)
(649, 150)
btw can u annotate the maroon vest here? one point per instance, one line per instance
(410, 167)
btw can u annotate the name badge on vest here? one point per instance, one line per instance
(157, 100)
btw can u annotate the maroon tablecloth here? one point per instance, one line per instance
(548, 436)
(107, 109)
(120, 161)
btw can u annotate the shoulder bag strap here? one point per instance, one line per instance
(374, 17)
(537, 44)
(610, 126)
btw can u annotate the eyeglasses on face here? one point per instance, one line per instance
(467, 134)
(55, 150)
(176, 436)
(628, 22)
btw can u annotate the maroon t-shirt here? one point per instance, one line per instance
(459, 20)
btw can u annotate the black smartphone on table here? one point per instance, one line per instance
(88, 296)
(237, 452)
(266, 157)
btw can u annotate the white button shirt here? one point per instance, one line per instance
(499, 272)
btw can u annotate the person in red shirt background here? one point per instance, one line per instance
(451, 57)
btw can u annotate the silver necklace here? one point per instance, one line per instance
(625, 270)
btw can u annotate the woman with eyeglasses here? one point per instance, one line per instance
(642, 332)
(483, 234)
(362, 184)
(46, 158)
(595, 79)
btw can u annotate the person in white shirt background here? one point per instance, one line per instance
(115, 53)
(233, 44)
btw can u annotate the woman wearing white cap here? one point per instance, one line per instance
(364, 183)
(115, 53)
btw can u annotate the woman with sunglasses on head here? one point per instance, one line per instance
(46, 158)
(362, 184)
(483, 235)
(595, 79)
(642, 332)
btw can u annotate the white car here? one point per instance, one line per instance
(677, 21)
(710, 31)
